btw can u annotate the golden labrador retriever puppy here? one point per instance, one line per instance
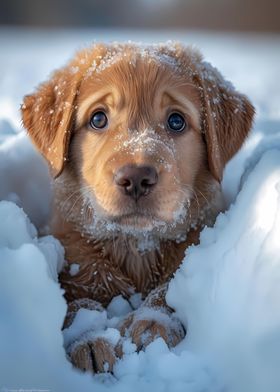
(136, 138)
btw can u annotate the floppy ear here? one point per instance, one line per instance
(48, 116)
(227, 118)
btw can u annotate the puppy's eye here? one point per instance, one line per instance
(176, 122)
(98, 120)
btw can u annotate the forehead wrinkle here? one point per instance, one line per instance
(90, 101)
(182, 101)
(145, 89)
(137, 88)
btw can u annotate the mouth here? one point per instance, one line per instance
(140, 220)
(139, 225)
(137, 220)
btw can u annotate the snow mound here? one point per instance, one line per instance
(31, 303)
(231, 285)
(24, 176)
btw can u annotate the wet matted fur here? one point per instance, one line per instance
(125, 244)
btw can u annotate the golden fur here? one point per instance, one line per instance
(123, 246)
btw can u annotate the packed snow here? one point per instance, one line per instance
(227, 291)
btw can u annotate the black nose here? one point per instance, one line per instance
(136, 181)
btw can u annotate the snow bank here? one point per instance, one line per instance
(24, 176)
(231, 285)
(31, 304)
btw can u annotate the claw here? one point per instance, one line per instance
(96, 356)
(143, 331)
(81, 357)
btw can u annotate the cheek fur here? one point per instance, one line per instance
(191, 155)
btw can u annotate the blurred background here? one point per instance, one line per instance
(240, 37)
(228, 15)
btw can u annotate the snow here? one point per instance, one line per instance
(238, 306)
(227, 290)
(118, 307)
(28, 182)
(83, 322)
(74, 269)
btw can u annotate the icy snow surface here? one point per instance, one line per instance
(227, 292)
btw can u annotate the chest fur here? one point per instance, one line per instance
(104, 269)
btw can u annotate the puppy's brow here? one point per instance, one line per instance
(181, 100)
(88, 102)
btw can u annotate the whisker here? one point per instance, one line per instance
(205, 198)
(72, 207)
(73, 193)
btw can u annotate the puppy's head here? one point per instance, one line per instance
(139, 128)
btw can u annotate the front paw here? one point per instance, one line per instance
(145, 325)
(93, 354)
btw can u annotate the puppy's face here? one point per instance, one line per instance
(137, 145)
(138, 128)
